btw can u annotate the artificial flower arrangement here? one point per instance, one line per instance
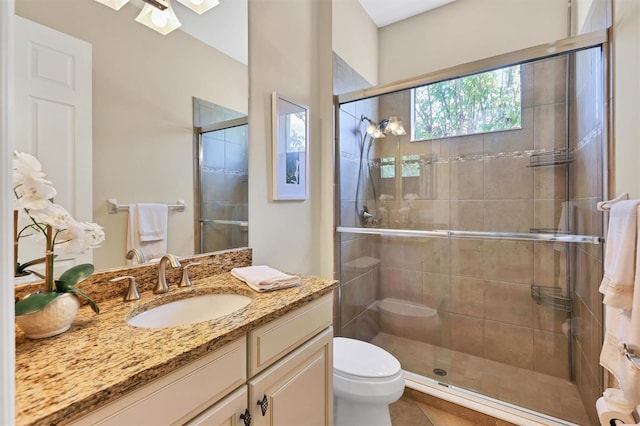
(33, 197)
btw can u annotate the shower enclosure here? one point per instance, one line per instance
(469, 240)
(221, 177)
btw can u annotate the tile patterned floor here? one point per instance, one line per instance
(415, 410)
(540, 392)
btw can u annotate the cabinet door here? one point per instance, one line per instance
(226, 412)
(297, 390)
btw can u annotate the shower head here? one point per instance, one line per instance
(388, 125)
(392, 125)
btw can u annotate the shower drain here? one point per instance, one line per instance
(440, 372)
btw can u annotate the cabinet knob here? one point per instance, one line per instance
(246, 417)
(264, 404)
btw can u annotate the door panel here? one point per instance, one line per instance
(53, 96)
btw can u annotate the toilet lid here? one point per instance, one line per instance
(357, 358)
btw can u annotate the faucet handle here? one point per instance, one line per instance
(185, 281)
(132, 292)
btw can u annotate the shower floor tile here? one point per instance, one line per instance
(536, 391)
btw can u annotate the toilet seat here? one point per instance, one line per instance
(366, 379)
(358, 360)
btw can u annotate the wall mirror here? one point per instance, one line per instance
(142, 119)
(290, 144)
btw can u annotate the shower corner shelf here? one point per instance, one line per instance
(551, 296)
(551, 158)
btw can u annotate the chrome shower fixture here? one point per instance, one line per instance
(387, 126)
(392, 125)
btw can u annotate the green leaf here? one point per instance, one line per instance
(80, 293)
(34, 303)
(76, 274)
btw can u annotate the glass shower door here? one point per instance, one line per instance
(223, 187)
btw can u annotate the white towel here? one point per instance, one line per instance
(622, 263)
(264, 278)
(620, 255)
(152, 221)
(151, 225)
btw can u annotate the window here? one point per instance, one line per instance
(388, 167)
(485, 102)
(411, 165)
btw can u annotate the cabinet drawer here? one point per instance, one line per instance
(298, 389)
(274, 340)
(180, 395)
(225, 412)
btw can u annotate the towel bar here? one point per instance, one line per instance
(605, 206)
(114, 207)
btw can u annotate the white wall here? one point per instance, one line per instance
(7, 327)
(626, 96)
(355, 38)
(143, 84)
(465, 31)
(290, 53)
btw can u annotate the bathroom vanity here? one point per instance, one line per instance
(270, 361)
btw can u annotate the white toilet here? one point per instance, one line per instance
(366, 379)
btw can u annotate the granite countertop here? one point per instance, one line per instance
(61, 378)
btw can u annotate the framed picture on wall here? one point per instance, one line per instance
(290, 144)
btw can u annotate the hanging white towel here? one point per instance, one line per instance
(264, 278)
(622, 303)
(148, 231)
(620, 256)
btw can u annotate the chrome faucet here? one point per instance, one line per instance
(138, 254)
(162, 286)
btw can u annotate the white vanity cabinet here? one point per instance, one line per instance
(286, 364)
(227, 412)
(180, 395)
(291, 368)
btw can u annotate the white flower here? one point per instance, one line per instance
(95, 234)
(72, 238)
(54, 214)
(32, 189)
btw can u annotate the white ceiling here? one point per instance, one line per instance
(225, 27)
(385, 12)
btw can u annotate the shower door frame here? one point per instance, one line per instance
(198, 239)
(594, 39)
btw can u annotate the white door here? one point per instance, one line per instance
(53, 120)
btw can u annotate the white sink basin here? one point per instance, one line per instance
(190, 311)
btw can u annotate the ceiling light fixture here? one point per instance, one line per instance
(200, 6)
(159, 15)
(161, 20)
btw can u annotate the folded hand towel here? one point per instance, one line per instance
(620, 255)
(150, 249)
(264, 278)
(152, 221)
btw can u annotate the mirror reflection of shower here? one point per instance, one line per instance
(389, 126)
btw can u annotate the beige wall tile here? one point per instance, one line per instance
(549, 81)
(550, 126)
(549, 183)
(467, 334)
(512, 140)
(467, 258)
(509, 344)
(508, 303)
(467, 296)
(466, 180)
(550, 264)
(508, 178)
(467, 215)
(551, 354)
(508, 215)
(510, 261)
